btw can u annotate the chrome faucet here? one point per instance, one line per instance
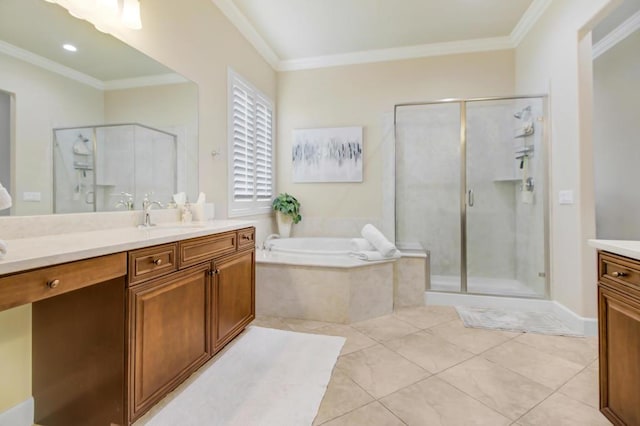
(126, 201)
(146, 210)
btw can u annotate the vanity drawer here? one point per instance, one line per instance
(38, 284)
(197, 250)
(148, 263)
(619, 269)
(246, 238)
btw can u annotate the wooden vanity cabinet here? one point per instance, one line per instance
(168, 334)
(619, 338)
(232, 296)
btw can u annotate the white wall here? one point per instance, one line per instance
(364, 95)
(551, 60)
(616, 143)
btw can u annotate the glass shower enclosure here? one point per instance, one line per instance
(112, 167)
(471, 179)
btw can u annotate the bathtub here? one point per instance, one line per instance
(314, 278)
(310, 246)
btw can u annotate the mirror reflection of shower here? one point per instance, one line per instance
(94, 166)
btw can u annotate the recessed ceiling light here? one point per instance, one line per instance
(70, 47)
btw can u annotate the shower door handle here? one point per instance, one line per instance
(470, 198)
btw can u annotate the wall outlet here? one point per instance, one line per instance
(31, 196)
(565, 197)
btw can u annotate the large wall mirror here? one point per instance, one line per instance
(79, 130)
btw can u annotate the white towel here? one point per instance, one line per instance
(360, 244)
(372, 255)
(379, 241)
(5, 198)
(3, 249)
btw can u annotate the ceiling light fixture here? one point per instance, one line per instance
(105, 14)
(69, 47)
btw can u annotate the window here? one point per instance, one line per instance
(250, 132)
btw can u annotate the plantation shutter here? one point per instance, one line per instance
(251, 146)
(263, 143)
(243, 136)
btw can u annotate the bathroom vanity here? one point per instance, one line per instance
(114, 333)
(619, 330)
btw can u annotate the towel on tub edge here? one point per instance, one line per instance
(360, 244)
(373, 255)
(379, 241)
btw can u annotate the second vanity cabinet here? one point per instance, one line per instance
(619, 337)
(113, 337)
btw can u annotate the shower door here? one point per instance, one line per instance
(428, 186)
(470, 189)
(505, 197)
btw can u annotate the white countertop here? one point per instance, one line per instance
(30, 253)
(626, 248)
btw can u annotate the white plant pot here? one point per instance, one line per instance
(284, 224)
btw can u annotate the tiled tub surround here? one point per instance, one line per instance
(336, 289)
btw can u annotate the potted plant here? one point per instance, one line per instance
(287, 209)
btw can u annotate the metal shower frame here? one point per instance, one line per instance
(463, 180)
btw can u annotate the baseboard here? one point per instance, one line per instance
(581, 325)
(18, 415)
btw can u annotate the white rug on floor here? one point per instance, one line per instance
(268, 378)
(500, 319)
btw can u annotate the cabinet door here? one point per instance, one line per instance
(619, 320)
(168, 326)
(233, 296)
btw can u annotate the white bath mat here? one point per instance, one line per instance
(500, 319)
(268, 378)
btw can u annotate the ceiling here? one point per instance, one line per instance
(297, 34)
(625, 11)
(49, 26)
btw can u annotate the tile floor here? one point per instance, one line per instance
(421, 366)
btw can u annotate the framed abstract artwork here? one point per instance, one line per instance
(327, 155)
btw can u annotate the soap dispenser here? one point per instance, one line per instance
(186, 213)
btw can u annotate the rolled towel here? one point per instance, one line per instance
(379, 241)
(3, 249)
(360, 244)
(372, 255)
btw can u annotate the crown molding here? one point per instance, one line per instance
(237, 18)
(49, 65)
(154, 80)
(240, 21)
(528, 20)
(397, 53)
(622, 31)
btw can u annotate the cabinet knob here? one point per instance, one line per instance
(618, 274)
(53, 283)
(246, 237)
(157, 262)
(216, 271)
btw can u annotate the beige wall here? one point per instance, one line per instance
(551, 60)
(364, 95)
(43, 101)
(616, 147)
(15, 356)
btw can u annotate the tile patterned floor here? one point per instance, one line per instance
(421, 366)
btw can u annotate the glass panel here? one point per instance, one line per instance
(114, 167)
(428, 187)
(505, 198)
(73, 170)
